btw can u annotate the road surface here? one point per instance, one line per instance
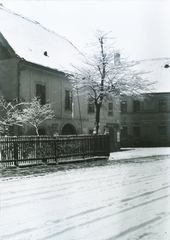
(125, 199)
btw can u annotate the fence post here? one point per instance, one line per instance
(55, 146)
(16, 154)
(108, 144)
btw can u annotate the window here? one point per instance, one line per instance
(110, 109)
(40, 93)
(124, 106)
(162, 105)
(68, 100)
(136, 106)
(162, 130)
(91, 106)
(90, 131)
(41, 131)
(136, 131)
(124, 132)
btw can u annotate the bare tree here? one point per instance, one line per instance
(102, 74)
(35, 114)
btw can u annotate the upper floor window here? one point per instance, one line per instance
(136, 106)
(124, 106)
(162, 105)
(40, 93)
(68, 100)
(91, 105)
(110, 109)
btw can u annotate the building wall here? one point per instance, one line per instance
(9, 78)
(18, 79)
(8, 70)
(9, 82)
(56, 84)
(148, 127)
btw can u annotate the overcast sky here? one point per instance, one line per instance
(141, 28)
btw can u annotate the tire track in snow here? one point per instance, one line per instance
(132, 229)
(56, 234)
(84, 201)
(144, 194)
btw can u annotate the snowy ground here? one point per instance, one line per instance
(127, 197)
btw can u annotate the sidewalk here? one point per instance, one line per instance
(127, 153)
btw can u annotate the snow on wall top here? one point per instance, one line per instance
(33, 42)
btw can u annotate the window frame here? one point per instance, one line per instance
(110, 108)
(136, 106)
(123, 106)
(136, 131)
(91, 106)
(162, 131)
(124, 134)
(68, 100)
(162, 105)
(41, 93)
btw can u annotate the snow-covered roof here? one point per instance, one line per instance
(37, 44)
(30, 40)
(158, 71)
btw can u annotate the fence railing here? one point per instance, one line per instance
(32, 150)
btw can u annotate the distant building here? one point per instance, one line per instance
(147, 122)
(33, 61)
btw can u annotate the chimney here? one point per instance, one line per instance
(117, 58)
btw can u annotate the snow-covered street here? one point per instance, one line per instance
(126, 197)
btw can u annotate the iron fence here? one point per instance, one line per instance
(33, 150)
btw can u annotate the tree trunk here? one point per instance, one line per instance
(97, 118)
(36, 129)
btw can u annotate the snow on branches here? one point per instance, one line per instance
(104, 73)
(34, 113)
(18, 113)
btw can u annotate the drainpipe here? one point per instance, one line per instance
(20, 68)
(79, 111)
(18, 80)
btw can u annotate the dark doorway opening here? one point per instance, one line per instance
(68, 129)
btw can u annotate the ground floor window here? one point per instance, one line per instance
(136, 131)
(162, 130)
(124, 132)
(91, 131)
(42, 131)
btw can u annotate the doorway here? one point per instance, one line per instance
(68, 129)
